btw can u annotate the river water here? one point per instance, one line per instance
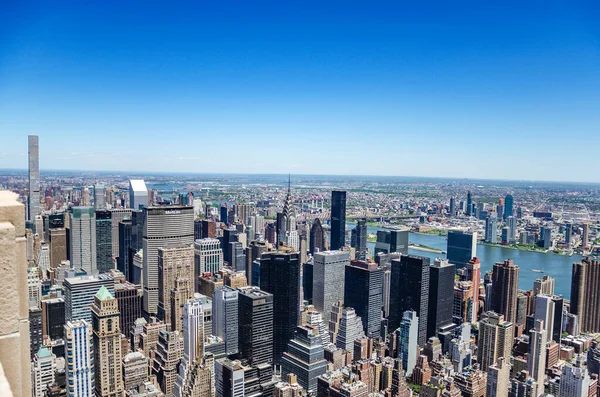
(557, 266)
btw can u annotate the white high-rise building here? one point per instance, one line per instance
(83, 239)
(43, 369)
(193, 330)
(99, 196)
(408, 341)
(208, 256)
(138, 194)
(225, 318)
(329, 268)
(544, 311)
(79, 354)
(498, 378)
(34, 287)
(44, 260)
(574, 380)
(351, 328)
(536, 360)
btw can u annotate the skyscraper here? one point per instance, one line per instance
(317, 237)
(544, 312)
(255, 325)
(495, 340)
(83, 239)
(508, 206)
(225, 318)
(410, 291)
(491, 229)
(107, 345)
(452, 209)
(441, 296)
(138, 194)
(208, 256)
(328, 277)
(305, 358)
(544, 285)
(338, 220)
(498, 377)
(359, 239)
(363, 289)
(511, 222)
(280, 276)
(568, 234)
(79, 295)
(79, 353)
(391, 241)
(169, 352)
(536, 359)
(469, 204)
(43, 369)
(164, 227)
(575, 380)
(34, 177)
(286, 221)
(505, 281)
(408, 340)
(129, 301)
(104, 261)
(126, 250)
(585, 301)
(349, 327)
(462, 247)
(473, 274)
(99, 197)
(585, 235)
(175, 273)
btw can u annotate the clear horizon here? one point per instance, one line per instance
(468, 91)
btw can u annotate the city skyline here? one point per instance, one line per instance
(500, 87)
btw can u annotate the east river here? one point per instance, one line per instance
(557, 266)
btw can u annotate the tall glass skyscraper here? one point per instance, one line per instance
(363, 290)
(338, 219)
(508, 206)
(441, 296)
(462, 247)
(280, 276)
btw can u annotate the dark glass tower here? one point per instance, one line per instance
(508, 206)
(125, 259)
(104, 260)
(229, 236)
(441, 296)
(359, 239)
(338, 220)
(462, 247)
(280, 276)
(317, 237)
(409, 290)
(363, 291)
(469, 204)
(255, 325)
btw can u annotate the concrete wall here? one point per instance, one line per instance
(14, 310)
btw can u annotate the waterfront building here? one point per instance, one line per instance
(508, 206)
(392, 241)
(462, 247)
(491, 229)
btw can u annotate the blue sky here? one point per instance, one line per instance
(449, 89)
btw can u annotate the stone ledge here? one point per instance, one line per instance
(12, 211)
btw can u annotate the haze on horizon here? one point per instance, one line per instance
(474, 90)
